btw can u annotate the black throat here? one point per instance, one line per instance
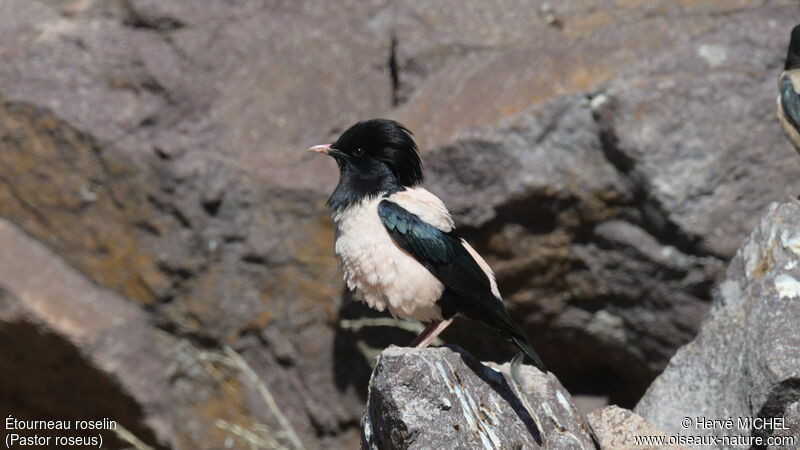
(354, 187)
(792, 61)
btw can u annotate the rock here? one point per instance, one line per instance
(444, 398)
(788, 436)
(743, 364)
(73, 350)
(190, 265)
(668, 124)
(574, 50)
(156, 147)
(617, 428)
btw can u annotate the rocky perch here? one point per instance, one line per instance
(744, 363)
(445, 398)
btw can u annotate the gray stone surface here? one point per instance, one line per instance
(444, 398)
(72, 350)
(744, 362)
(616, 428)
(156, 148)
(789, 435)
(670, 124)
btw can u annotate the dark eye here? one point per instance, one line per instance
(358, 151)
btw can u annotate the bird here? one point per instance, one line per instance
(397, 243)
(788, 85)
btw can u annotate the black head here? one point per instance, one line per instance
(383, 141)
(374, 156)
(793, 56)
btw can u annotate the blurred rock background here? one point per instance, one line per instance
(166, 257)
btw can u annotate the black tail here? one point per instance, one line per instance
(489, 310)
(499, 319)
(514, 333)
(523, 345)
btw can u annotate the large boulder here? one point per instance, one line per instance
(618, 428)
(72, 350)
(668, 127)
(744, 364)
(445, 398)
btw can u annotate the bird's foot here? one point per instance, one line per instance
(430, 333)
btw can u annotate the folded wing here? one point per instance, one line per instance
(790, 101)
(468, 287)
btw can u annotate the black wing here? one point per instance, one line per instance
(790, 102)
(448, 260)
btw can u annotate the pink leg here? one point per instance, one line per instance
(429, 333)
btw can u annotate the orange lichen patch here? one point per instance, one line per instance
(587, 77)
(319, 280)
(234, 406)
(260, 320)
(226, 405)
(67, 303)
(317, 250)
(545, 269)
(589, 19)
(311, 283)
(641, 111)
(765, 263)
(461, 98)
(56, 184)
(589, 23)
(632, 3)
(202, 306)
(310, 293)
(715, 5)
(600, 205)
(595, 45)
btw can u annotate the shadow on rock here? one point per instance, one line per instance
(503, 388)
(46, 378)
